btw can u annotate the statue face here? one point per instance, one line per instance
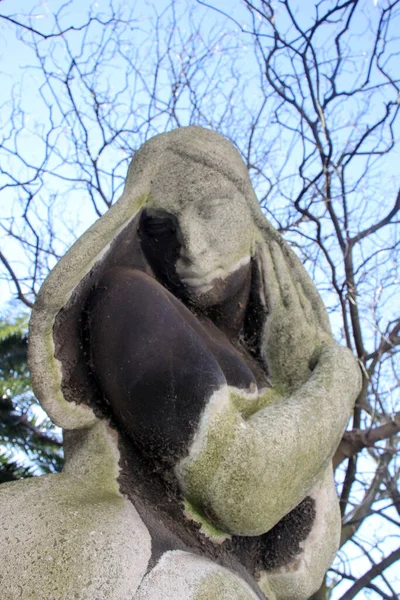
(197, 232)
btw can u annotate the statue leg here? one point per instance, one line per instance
(184, 576)
(150, 360)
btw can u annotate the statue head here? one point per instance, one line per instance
(196, 230)
(189, 217)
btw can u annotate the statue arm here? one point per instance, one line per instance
(249, 472)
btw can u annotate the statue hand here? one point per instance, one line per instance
(293, 336)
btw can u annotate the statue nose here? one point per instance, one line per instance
(195, 243)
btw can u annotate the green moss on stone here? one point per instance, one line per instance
(221, 586)
(194, 514)
(248, 406)
(199, 472)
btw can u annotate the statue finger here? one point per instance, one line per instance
(271, 285)
(287, 286)
(310, 292)
(306, 306)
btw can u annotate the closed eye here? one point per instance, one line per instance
(155, 225)
(212, 206)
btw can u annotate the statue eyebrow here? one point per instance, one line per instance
(215, 200)
(206, 205)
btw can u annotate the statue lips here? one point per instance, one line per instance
(204, 283)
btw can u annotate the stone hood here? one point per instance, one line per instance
(55, 353)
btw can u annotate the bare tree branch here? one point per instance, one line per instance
(371, 574)
(21, 296)
(356, 440)
(385, 221)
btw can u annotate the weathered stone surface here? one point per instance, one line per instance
(72, 535)
(183, 575)
(183, 319)
(234, 463)
(302, 576)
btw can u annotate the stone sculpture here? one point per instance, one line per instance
(188, 357)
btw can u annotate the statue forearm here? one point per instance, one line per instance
(265, 466)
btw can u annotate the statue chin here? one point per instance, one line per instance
(219, 291)
(203, 297)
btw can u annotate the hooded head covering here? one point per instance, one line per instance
(56, 356)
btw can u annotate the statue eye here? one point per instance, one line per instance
(155, 225)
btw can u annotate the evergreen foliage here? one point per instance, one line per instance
(30, 444)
